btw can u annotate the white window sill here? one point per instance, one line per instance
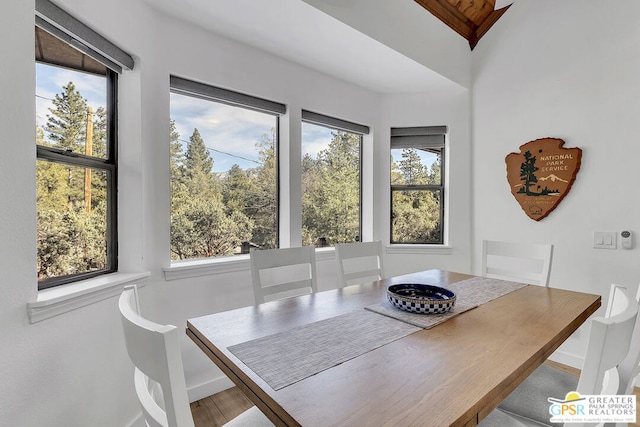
(205, 267)
(208, 266)
(62, 299)
(419, 249)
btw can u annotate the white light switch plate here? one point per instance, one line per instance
(604, 240)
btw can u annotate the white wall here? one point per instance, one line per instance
(72, 370)
(570, 70)
(69, 370)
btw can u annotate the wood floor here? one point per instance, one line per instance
(218, 409)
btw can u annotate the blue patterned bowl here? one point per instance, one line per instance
(422, 299)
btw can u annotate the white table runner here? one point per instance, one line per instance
(470, 293)
(287, 357)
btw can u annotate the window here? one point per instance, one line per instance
(76, 129)
(224, 162)
(417, 186)
(331, 180)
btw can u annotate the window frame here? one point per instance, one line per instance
(337, 124)
(423, 137)
(56, 21)
(191, 88)
(110, 167)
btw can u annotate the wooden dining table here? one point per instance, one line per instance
(452, 374)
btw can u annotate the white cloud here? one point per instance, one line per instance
(315, 139)
(233, 130)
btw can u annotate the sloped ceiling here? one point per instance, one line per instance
(303, 34)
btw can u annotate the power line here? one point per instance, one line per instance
(225, 153)
(182, 140)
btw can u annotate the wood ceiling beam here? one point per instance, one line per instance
(486, 24)
(470, 19)
(448, 14)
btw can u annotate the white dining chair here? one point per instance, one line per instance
(281, 273)
(609, 342)
(629, 369)
(359, 262)
(159, 380)
(519, 262)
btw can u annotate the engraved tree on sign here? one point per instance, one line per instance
(527, 173)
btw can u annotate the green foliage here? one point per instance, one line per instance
(67, 121)
(200, 228)
(331, 192)
(70, 241)
(415, 213)
(71, 235)
(100, 133)
(212, 214)
(262, 203)
(413, 172)
(196, 169)
(237, 190)
(415, 217)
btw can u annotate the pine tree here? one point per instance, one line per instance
(412, 168)
(201, 225)
(176, 163)
(262, 204)
(99, 149)
(236, 191)
(67, 126)
(67, 122)
(197, 171)
(197, 159)
(331, 192)
(100, 133)
(70, 239)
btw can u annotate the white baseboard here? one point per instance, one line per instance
(208, 388)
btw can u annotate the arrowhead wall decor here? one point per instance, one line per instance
(542, 174)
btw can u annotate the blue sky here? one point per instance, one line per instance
(426, 158)
(233, 131)
(230, 132)
(315, 138)
(49, 82)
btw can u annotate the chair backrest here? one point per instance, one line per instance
(609, 341)
(519, 262)
(279, 273)
(159, 380)
(617, 301)
(629, 368)
(359, 262)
